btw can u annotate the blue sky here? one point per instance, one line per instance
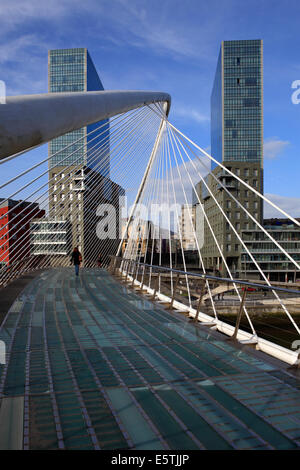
(172, 46)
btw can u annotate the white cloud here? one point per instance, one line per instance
(273, 147)
(22, 71)
(28, 29)
(190, 114)
(291, 205)
(142, 26)
(178, 181)
(16, 12)
(12, 49)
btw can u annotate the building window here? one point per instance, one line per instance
(250, 81)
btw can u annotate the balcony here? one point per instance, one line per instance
(78, 185)
(228, 181)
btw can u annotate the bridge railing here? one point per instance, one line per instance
(212, 301)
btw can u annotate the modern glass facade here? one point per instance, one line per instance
(72, 70)
(237, 143)
(50, 237)
(216, 121)
(236, 103)
(272, 261)
(78, 183)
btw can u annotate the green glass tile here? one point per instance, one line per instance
(262, 428)
(80, 441)
(136, 425)
(115, 445)
(195, 423)
(166, 424)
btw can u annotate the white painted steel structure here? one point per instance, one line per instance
(31, 120)
(155, 163)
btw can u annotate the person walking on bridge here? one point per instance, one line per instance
(76, 259)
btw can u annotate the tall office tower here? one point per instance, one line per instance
(72, 70)
(237, 143)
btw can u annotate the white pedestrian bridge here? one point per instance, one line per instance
(138, 353)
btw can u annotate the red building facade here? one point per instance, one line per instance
(15, 218)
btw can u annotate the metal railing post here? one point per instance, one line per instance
(239, 316)
(117, 265)
(200, 301)
(112, 264)
(174, 293)
(134, 273)
(121, 266)
(143, 276)
(127, 269)
(155, 287)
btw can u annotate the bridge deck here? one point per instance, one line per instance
(94, 366)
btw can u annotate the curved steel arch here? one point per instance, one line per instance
(31, 120)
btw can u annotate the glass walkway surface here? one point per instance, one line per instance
(92, 365)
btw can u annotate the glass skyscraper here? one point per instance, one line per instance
(236, 103)
(72, 70)
(79, 175)
(237, 143)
